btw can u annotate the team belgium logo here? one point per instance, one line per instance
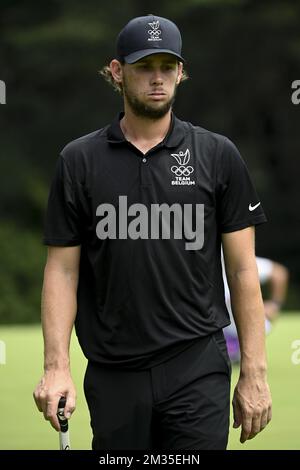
(154, 32)
(183, 171)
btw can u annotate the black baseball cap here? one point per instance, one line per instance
(146, 35)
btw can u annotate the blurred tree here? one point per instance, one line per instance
(21, 271)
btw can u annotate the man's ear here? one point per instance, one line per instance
(180, 71)
(116, 70)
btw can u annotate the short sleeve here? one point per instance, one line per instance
(238, 205)
(62, 227)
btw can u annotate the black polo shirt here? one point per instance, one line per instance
(142, 298)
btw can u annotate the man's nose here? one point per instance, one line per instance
(156, 77)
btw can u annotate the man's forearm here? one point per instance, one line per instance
(59, 305)
(248, 311)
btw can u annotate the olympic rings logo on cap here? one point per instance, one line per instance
(154, 33)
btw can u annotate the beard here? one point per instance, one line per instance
(141, 109)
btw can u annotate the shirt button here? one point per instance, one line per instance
(144, 160)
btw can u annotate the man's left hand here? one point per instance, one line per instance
(252, 405)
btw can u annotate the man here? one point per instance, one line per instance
(276, 276)
(136, 215)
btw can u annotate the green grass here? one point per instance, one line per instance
(23, 427)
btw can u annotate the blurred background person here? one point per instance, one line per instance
(275, 276)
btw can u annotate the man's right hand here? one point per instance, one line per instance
(272, 309)
(54, 385)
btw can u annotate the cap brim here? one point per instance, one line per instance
(135, 56)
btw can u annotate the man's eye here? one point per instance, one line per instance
(164, 68)
(168, 67)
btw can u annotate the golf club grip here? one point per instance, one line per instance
(63, 422)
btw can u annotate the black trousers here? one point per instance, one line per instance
(181, 404)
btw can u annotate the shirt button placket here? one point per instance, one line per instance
(144, 168)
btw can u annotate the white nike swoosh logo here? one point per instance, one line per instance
(252, 208)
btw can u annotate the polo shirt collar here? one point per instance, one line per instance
(173, 138)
